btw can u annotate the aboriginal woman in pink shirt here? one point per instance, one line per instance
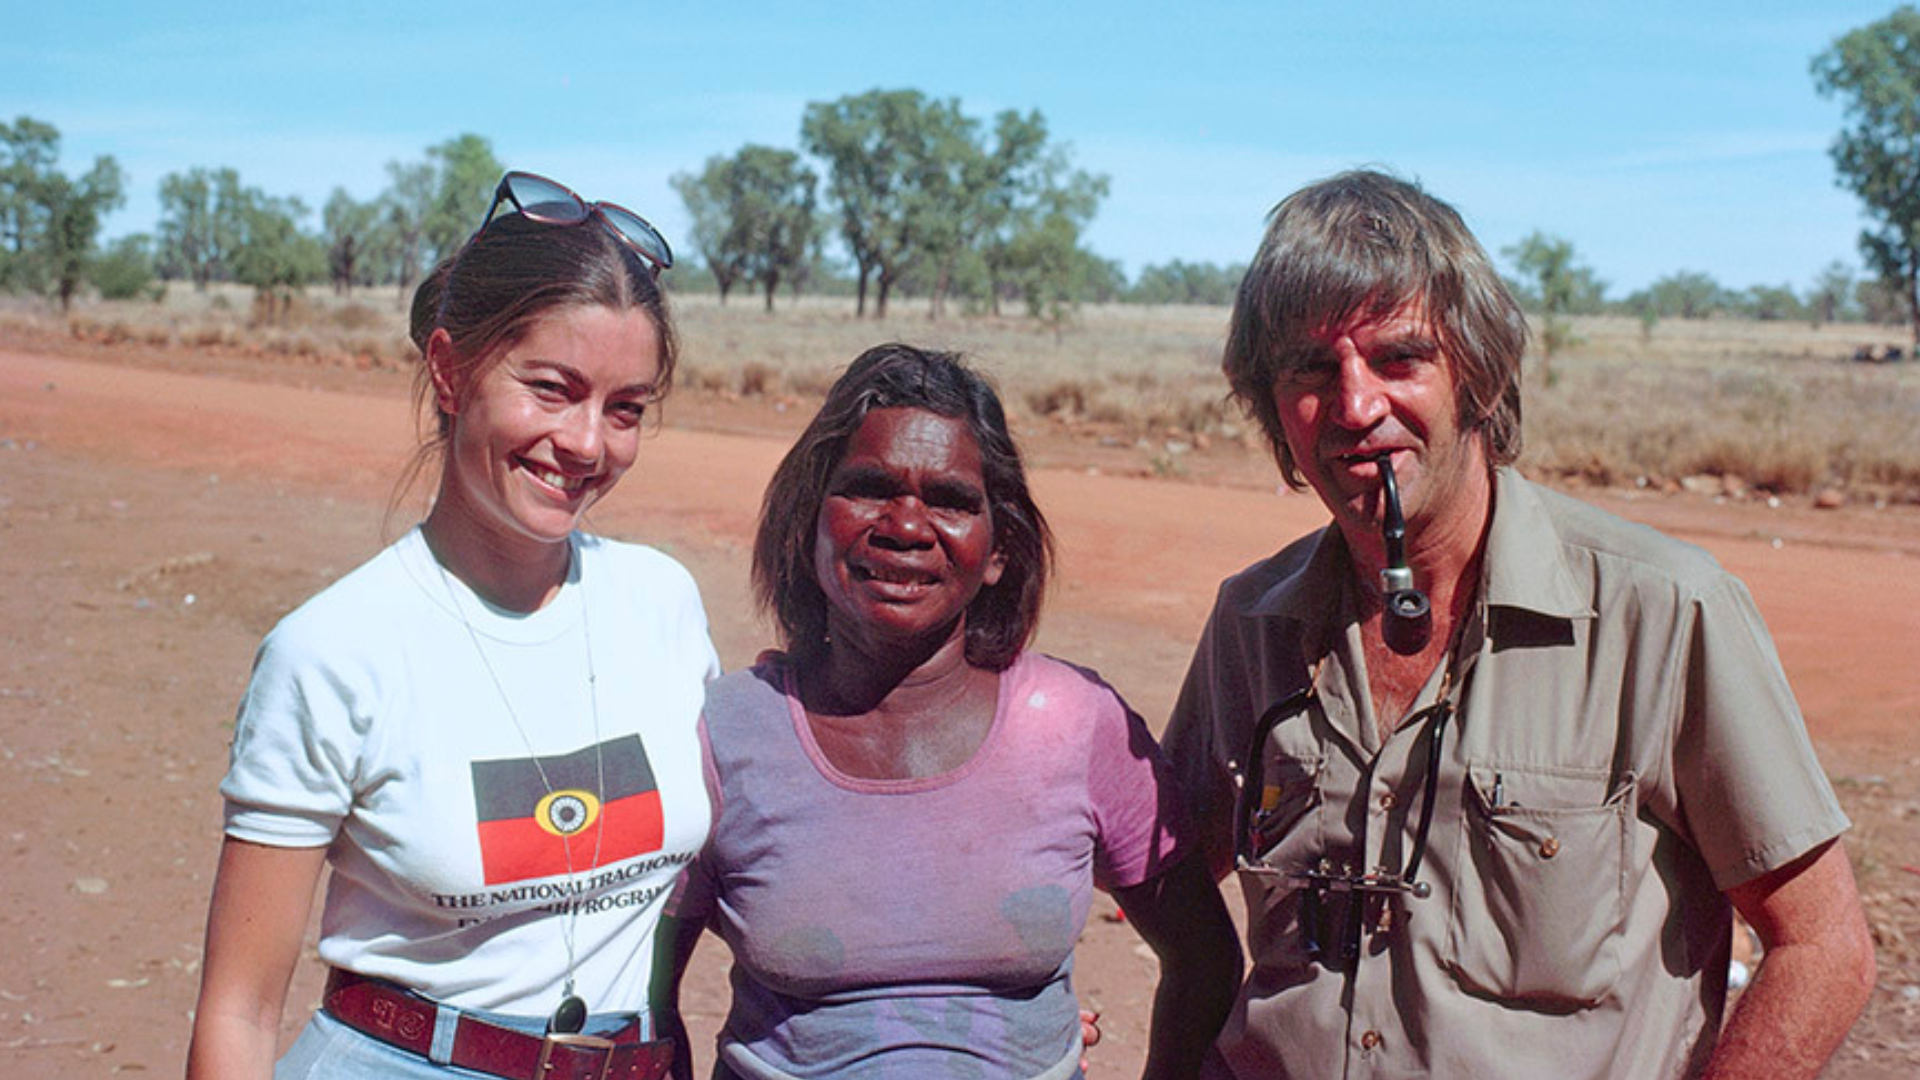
(912, 809)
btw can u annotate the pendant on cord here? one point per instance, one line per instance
(569, 1018)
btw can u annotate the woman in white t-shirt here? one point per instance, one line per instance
(488, 730)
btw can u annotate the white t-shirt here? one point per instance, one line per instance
(459, 839)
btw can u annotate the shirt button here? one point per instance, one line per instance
(1549, 847)
(1370, 1040)
(1386, 801)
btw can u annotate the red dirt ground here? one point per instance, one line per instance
(158, 513)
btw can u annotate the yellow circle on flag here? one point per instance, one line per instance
(567, 811)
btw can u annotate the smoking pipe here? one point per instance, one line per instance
(1409, 616)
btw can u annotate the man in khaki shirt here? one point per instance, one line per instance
(1509, 843)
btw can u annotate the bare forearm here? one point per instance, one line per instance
(1816, 975)
(1189, 1005)
(255, 924)
(1792, 1017)
(227, 1047)
(1181, 917)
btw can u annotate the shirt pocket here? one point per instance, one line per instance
(1286, 838)
(1539, 900)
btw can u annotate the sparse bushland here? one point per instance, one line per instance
(1760, 408)
(1732, 407)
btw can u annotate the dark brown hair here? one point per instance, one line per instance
(1365, 244)
(488, 295)
(1002, 617)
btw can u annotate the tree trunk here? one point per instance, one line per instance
(939, 305)
(880, 300)
(406, 285)
(860, 305)
(1912, 291)
(772, 282)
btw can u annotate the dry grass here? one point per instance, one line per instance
(367, 330)
(1758, 407)
(1740, 408)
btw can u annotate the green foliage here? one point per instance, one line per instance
(404, 208)
(212, 227)
(1875, 72)
(1831, 297)
(1034, 211)
(1878, 303)
(883, 151)
(1048, 268)
(73, 223)
(351, 230)
(1106, 279)
(923, 197)
(125, 270)
(49, 222)
(753, 217)
(1180, 282)
(1557, 285)
(28, 149)
(1770, 303)
(1684, 294)
(199, 224)
(465, 172)
(274, 255)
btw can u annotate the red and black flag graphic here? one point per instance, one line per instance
(527, 831)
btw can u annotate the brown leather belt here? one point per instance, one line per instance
(404, 1019)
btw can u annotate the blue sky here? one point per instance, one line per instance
(1655, 136)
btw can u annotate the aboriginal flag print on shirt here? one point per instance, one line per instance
(526, 830)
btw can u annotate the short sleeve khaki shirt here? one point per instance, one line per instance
(1625, 747)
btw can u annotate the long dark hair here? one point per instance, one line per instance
(1001, 620)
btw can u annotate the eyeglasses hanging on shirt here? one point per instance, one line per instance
(1259, 828)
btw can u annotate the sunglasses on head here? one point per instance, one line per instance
(550, 203)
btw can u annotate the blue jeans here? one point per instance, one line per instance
(330, 1050)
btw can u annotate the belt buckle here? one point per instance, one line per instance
(596, 1043)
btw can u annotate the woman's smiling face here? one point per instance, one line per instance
(904, 540)
(548, 427)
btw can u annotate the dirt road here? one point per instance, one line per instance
(154, 523)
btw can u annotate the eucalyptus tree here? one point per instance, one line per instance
(1875, 72)
(274, 254)
(1830, 299)
(754, 216)
(28, 150)
(465, 173)
(895, 164)
(199, 224)
(351, 230)
(922, 193)
(74, 209)
(707, 195)
(1559, 285)
(405, 205)
(50, 222)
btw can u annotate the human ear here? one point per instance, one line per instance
(440, 365)
(996, 568)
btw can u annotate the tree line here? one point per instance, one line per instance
(214, 227)
(922, 199)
